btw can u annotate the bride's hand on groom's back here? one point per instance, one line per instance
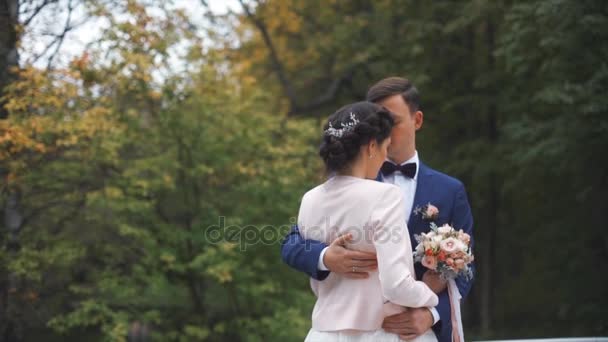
(352, 264)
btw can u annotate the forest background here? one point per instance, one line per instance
(119, 162)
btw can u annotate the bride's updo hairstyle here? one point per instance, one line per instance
(351, 127)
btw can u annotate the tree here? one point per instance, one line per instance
(9, 10)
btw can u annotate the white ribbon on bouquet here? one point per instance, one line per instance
(454, 295)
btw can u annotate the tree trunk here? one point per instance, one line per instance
(9, 57)
(493, 201)
(11, 217)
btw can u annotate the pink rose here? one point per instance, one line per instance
(464, 237)
(429, 262)
(459, 264)
(449, 245)
(449, 262)
(431, 212)
(457, 255)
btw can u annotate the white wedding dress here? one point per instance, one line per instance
(368, 336)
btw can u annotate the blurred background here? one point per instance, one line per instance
(130, 130)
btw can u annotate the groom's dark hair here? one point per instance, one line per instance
(395, 86)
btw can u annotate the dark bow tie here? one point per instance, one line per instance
(408, 170)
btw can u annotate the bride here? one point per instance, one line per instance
(354, 146)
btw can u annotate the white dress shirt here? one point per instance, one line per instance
(406, 184)
(408, 189)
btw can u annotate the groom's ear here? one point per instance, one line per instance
(419, 119)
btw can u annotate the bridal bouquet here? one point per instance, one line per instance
(445, 250)
(448, 252)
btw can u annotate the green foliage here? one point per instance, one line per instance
(161, 201)
(123, 201)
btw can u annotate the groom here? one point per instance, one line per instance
(420, 185)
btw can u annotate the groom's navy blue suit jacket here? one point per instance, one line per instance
(444, 192)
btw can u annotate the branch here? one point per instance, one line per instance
(277, 65)
(324, 98)
(332, 91)
(37, 10)
(295, 107)
(61, 37)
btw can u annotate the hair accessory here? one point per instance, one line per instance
(346, 127)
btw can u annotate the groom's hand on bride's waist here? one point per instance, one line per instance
(352, 264)
(409, 324)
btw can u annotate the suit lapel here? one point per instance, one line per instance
(424, 193)
(379, 177)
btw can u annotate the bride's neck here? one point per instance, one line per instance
(357, 169)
